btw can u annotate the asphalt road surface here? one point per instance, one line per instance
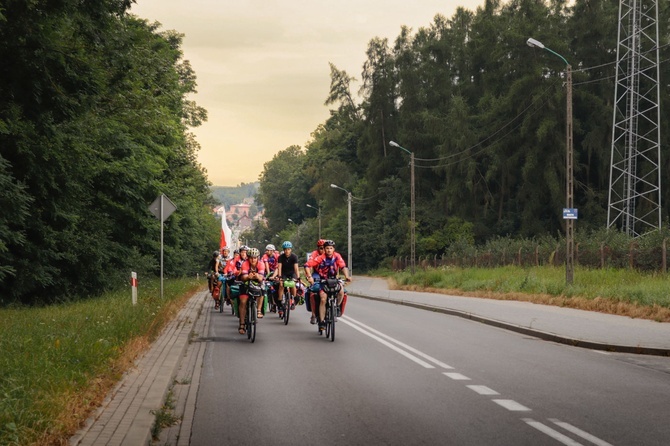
(397, 375)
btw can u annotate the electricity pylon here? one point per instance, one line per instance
(635, 176)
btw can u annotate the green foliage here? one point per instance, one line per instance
(94, 126)
(619, 285)
(48, 354)
(228, 196)
(484, 116)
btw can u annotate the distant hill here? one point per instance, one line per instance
(229, 195)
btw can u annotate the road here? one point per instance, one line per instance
(398, 375)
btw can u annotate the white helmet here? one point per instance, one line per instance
(270, 247)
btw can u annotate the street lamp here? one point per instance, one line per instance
(351, 269)
(319, 213)
(569, 197)
(413, 222)
(291, 221)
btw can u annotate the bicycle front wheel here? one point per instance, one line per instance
(332, 309)
(252, 311)
(287, 307)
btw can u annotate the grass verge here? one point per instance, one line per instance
(59, 362)
(614, 291)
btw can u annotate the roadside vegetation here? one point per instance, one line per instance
(615, 291)
(58, 362)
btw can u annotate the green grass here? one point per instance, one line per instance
(619, 285)
(49, 354)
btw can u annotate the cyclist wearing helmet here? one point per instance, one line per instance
(211, 270)
(270, 258)
(252, 270)
(327, 266)
(287, 270)
(319, 249)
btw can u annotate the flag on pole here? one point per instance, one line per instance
(226, 233)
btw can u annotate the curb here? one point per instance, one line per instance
(547, 336)
(126, 415)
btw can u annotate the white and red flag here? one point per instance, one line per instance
(226, 233)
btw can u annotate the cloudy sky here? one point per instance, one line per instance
(262, 66)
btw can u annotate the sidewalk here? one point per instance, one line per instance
(579, 328)
(128, 413)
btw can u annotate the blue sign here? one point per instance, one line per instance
(569, 213)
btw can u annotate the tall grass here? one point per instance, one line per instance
(55, 361)
(620, 288)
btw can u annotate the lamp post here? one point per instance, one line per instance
(413, 217)
(319, 214)
(351, 269)
(569, 186)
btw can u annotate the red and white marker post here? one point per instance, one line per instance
(133, 286)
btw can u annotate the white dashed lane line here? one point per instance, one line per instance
(424, 360)
(456, 376)
(483, 390)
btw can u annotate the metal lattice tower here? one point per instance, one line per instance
(635, 176)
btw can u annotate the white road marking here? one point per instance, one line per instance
(483, 390)
(456, 376)
(389, 345)
(403, 345)
(585, 435)
(551, 432)
(512, 405)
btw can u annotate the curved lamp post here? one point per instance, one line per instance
(413, 220)
(319, 214)
(569, 177)
(351, 269)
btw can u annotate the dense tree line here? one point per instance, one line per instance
(484, 115)
(94, 126)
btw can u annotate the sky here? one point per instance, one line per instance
(263, 71)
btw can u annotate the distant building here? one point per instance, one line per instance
(239, 210)
(245, 222)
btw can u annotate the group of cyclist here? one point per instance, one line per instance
(246, 267)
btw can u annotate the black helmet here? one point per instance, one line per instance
(328, 243)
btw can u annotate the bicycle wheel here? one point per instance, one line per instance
(333, 319)
(287, 306)
(328, 318)
(251, 334)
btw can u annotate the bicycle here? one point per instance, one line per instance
(254, 291)
(332, 288)
(286, 299)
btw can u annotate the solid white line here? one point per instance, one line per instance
(403, 345)
(483, 390)
(552, 433)
(456, 376)
(389, 345)
(575, 430)
(512, 405)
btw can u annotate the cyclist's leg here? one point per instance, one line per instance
(322, 306)
(242, 309)
(259, 301)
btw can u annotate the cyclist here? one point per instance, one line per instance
(314, 289)
(270, 259)
(327, 266)
(287, 270)
(252, 270)
(221, 263)
(211, 270)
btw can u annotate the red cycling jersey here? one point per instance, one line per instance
(271, 260)
(326, 266)
(247, 268)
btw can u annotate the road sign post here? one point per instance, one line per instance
(162, 208)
